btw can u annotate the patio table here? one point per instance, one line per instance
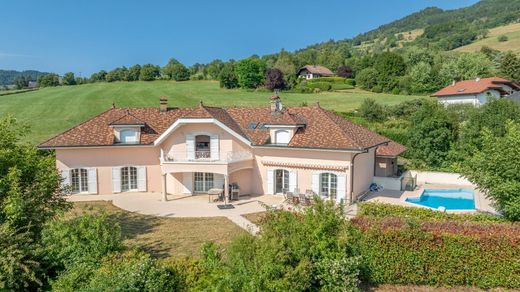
(214, 192)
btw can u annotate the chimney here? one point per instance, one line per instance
(477, 79)
(453, 83)
(276, 104)
(163, 104)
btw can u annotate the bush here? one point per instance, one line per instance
(502, 38)
(337, 86)
(372, 110)
(350, 81)
(322, 86)
(377, 210)
(406, 251)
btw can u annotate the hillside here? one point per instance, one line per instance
(51, 110)
(7, 77)
(512, 32)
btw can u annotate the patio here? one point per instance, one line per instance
(187, 205)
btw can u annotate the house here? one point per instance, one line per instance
(314, 71)
(266, 150)
(477, 91)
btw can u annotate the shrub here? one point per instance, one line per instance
(322, 86)
(399, 251)
(350, 81)
(338, 86)
(502, 38)
(377, 210)
(372, 110)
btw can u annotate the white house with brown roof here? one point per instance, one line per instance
(477, 91)
(266, 150)
(314, 71)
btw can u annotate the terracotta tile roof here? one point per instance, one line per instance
(316, 127)
(393, 149)
(474, 87)
(127, 119)
(317, 69)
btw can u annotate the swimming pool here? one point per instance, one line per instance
(451, 199)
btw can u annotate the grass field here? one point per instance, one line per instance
(512, 32)
(164, 237)
(50, 111)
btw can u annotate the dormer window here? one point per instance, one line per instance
(129, 136)
(282, 137)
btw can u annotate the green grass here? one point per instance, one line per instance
(512, 31)
(49, 111)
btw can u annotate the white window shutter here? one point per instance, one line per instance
(141, 178)
(342, 188)
(293, 180)
(65, 175)
(214, 147)
(92, 180)
(187, 182)
(116, 179)
(190, 147)
(270, 181)
(316, 183)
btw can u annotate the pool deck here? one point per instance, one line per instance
(482, 203)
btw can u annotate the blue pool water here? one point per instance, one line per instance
(454, 199)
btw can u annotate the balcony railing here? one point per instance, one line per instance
(204, 156)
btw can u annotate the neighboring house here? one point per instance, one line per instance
(477, 91)
(265, 150)
(32, 84)
(314, 71)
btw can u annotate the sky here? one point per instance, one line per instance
(86, 36)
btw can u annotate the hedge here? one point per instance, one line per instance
(440, 253)
(323, 86)
(378, 210)
(328, 79)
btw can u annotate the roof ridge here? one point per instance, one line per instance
(75, 126)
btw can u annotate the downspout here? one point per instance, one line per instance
(351, 195)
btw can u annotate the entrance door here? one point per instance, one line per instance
(281, 177)
(203, 181)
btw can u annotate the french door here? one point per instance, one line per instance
(128, 179)
(281, 177)
(203, 181)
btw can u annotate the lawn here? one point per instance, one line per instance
(512, 31)
(161, 236)
(49, 111)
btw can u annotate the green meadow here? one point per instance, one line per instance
(49, 111)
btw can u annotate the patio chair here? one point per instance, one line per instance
(304, 201)
(289, 197)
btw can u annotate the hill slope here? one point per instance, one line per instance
(7, 77)
(512, 32)
(51, 110)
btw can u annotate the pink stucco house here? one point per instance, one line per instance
(265, 150)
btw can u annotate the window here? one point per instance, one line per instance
(128, 136)
(79, 180)
(329, 185)
(281, 137)
(203, 181)
(281, 177)
(202, 147)
(128, 179)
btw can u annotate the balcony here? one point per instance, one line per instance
(204, 157)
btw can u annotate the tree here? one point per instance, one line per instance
(367, 78)
(212, 70)
(174, 70)
(117, 74)
(99, 76)
(422, 78)
(464, 67)
(22, 82)
(285, 63)
(250, 72)
(496, 171)
(133, 73)
(510, 66)
(372, 110)
(274, 79)
(228, 78)
(345, 72)
(49, 80)
(149, 72)
(69, 79)
(389, 66)
(431, 135)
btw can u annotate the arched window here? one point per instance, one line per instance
(128, 179)
(329, 185)
(281, 137)
(202, 146)
(79, 180)
(281, 177)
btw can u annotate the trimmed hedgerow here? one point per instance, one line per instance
(441, 253)
(379, 210)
